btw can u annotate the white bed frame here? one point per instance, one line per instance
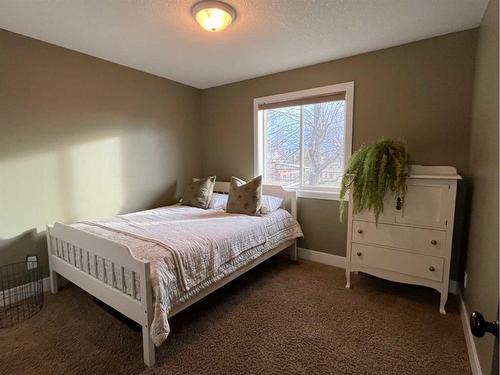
(67, 246)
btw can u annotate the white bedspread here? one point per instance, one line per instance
(190, 248)
(199, 240)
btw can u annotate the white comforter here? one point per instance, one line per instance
(190, 248)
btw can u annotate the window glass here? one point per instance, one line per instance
(304, 145)
(282, 146)
(324, 144)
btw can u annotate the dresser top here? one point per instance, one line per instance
(434, 171)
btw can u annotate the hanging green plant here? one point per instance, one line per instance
(372, 171)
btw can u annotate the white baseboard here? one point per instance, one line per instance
(13, 295)
(324, 258)
(475, 366)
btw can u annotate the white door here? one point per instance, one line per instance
(427, 203)
(387, 217)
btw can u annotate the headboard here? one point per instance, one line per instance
(289, 196)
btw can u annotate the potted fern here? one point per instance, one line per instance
(371, 172)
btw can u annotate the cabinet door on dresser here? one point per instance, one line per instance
(427, 203)
(387, 217)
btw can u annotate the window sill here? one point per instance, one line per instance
(326, 195)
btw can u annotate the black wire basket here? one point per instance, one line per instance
(21, 293)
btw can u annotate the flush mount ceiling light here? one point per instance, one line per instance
(213, 16)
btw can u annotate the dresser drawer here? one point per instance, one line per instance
(424, 266)
(409, 238)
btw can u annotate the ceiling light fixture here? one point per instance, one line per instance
(213, 16)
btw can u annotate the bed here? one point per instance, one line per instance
(141, 264)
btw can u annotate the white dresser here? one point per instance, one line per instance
(411, 244)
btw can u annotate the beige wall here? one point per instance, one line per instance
(78, 125)
(420, 91)
(481, 293)
(85, 138)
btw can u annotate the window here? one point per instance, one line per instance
(303, 139)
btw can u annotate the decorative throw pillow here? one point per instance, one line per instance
(245, 197)
(199, 192)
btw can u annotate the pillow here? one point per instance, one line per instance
(219, 201)
(199, 192)
(270, 204)
(245, 197)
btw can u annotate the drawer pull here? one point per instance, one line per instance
(399, 203)
(359, 253)
(432, 269)
(434, 242)
(360, 231)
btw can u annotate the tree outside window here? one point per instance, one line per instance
(304, 145)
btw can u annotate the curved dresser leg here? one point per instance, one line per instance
(348, 279)
(442, 303)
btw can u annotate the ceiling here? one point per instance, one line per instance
(268, 36)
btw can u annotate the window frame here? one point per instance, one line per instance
(347, 88)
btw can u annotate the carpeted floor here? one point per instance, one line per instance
(280, 318)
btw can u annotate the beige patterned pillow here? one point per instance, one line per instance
(245, 197)
(199, 192)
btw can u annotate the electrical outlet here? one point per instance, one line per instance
(465, 280)
(31, 258)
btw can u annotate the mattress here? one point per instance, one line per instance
(189, 249)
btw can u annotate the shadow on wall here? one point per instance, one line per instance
(12, 246)
(64, 183)
(460, 230)
(167, 197)
(15, 249)
(76, 182)
(85, 138)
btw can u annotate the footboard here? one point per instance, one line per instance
(105, 269)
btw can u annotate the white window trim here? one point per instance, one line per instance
(347, 87)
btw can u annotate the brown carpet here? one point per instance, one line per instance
(278, 318)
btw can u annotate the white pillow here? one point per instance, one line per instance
(219, 201)
(270, 204)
